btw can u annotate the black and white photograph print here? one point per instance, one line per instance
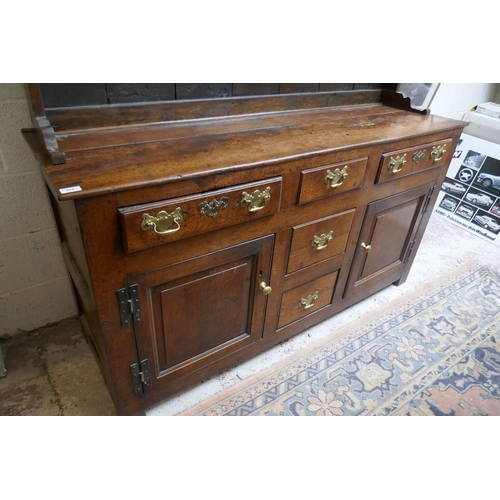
(466, 174)
(456, 188)
(489, 176)
(474, 160)
(470, 194)
(487, 221)
(466, 211)
(449, 203)
(480, 199)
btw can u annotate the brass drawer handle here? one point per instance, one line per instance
(266, 289)
(438, 152)
(337, 177)
(397, 164)
(162, 222)
(310, 300)
(256, 200)
(213, 208)
(365, 247)
(320, 242)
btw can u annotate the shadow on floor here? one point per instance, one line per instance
(50, 372)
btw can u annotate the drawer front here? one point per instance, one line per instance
(408, 161)
(319, 240)
(152, 224)
(307, 299)
(330, 180)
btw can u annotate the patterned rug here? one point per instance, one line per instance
(437, 352)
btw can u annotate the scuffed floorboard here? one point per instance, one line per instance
(52, 372)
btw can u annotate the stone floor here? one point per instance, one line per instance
(53, 372)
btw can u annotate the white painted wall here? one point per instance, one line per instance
(34, 287)
(453, 100)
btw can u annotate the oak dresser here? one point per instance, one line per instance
(199, 233)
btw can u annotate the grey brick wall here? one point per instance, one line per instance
(34, 286)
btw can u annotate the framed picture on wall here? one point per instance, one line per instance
(421, 94)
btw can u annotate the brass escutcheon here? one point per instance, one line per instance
(419, 155)
(337, 177)
(162, 222)
(438, 152)
(214, 207)
(320, 242)
(397, 164)
(256, 200)
(310, 300)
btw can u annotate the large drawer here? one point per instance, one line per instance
(307, 299)
(318, 240)
(330, 180)
(402, 162)
(152, 224)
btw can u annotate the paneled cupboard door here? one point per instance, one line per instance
(201, 310)
(386, 239)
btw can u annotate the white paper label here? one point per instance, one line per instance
(71, 189)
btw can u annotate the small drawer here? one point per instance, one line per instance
(330, 180)
(319, 240)
(409, 161)
(152, 224)
(306, 299)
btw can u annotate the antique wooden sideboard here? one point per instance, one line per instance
(199, 233)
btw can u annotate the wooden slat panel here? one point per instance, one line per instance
(118, 136)
(117, 115)
(360, 86)
(329, 87)
(140, 92)
(289, 88)
(202, 90)
(60, 95)
(249, 89)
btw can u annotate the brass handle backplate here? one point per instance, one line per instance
(438, 152)
(310, 300)
(320, 242)
(337, 177)
(397, 164)
(419, 155)
(365, 247)
(214, 207)
(161, 223)
(266, 289)
(256, 200)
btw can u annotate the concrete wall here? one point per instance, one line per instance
(34, 286)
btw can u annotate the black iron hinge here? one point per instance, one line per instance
(409, 252)
(140, 376)
(129, 304)
(428, 200)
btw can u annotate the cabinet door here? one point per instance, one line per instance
(201, 310)
(386, 239)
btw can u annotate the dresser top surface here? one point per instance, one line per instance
(113, 159)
